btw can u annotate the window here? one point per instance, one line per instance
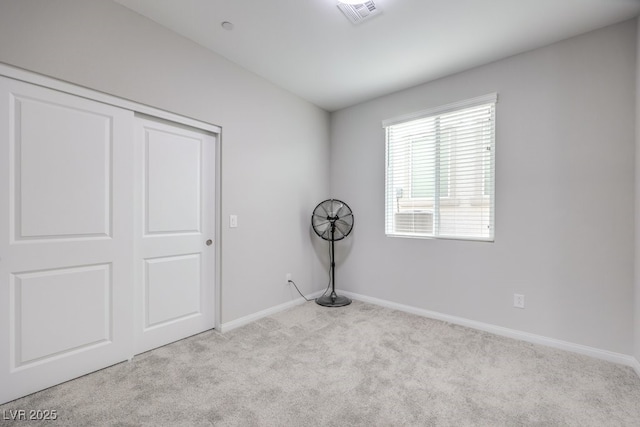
(440, 172)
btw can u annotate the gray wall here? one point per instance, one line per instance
(275, 148)
(564, 197)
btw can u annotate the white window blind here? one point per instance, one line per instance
(440, 172)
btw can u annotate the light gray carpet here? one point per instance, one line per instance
(360, 365)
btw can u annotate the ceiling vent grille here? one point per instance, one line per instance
(357, 13)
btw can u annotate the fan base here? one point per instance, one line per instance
(333, 300)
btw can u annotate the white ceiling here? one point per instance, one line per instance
(310, 48)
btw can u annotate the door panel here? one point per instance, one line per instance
(172, 287)
(172, 183)
(47, 302)
(66, 247)
(175, 266)
(75, 193)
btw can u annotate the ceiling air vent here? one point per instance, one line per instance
(357, 13)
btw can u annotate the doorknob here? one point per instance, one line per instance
(209, 242)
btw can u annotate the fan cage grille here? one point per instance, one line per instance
(332, 214)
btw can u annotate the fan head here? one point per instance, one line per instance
(332, 219)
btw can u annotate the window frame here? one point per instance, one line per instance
(486, 193)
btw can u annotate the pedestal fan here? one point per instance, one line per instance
(332, 220)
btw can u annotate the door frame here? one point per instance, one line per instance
(105, 98)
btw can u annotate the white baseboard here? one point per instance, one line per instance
(609, 356)
(227, 326)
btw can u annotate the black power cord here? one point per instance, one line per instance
(296, 286)
(325, 291)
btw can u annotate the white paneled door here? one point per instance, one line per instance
(175, 224)
(66, 237)
(106, 234)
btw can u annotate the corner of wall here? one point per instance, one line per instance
(636, 289)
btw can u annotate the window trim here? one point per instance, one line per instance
(491, 98)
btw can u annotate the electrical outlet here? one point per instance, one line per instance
(518, 301)
(288, 277)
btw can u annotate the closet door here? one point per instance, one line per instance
(66, 227)
(175, 232)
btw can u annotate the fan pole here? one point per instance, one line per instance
(333, 300)
(333, 264)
